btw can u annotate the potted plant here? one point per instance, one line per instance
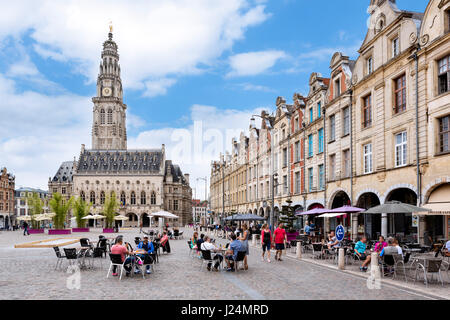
(35, 205)
(60, 207)
(80, 210)
(109, 210)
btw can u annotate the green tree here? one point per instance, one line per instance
(80, 210)
(110, 208)
(35, 205)
(60, 207)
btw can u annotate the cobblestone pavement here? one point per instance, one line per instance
(30, 274)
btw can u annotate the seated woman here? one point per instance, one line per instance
(194, 240)
(165, 242)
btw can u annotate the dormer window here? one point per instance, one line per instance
(369, 65)
(395, 44)
(337, 87)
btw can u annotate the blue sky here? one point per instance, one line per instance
(182, 61)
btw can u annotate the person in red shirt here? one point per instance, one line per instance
(280, 240)
(119, 248)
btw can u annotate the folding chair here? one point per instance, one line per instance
(116, 260)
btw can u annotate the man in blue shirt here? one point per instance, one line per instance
(147, 246)
(234, 248)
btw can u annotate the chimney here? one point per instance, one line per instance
(83, 147)
(186, 176)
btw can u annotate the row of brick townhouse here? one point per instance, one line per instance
(375, 130)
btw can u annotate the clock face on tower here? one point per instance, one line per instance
(106, 92)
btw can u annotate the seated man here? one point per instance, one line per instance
(119, 248)
(208, 246)
(232, 252)
(148, 247)
(360, 251)
(333, 243)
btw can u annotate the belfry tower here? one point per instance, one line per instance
(109, 114)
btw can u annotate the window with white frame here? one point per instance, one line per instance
(285, 185)
(285, 157)
(395, 46)
(297, 182)
(332, 167)
(297, 151)
(332, 127)
(346, 121)
(401, 146)
(368, 158)
(444, 75)
(321, 177)
(310, 179)
(369, 65)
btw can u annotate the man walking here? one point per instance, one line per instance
(25, 229)
(280, 240)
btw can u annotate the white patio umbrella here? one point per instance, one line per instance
(164, 214)
(120, 218)
(24, 218)
(41, 217)
(93, 217)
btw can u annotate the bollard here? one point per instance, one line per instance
(299, 250)
(341, 259)
(254, 240)
(375, 269)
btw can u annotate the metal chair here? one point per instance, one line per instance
(116, 260)
(239, 258)
(431, 267)
(71, 255)
(206, 257)
(399, 261)
(317, 250)
(59, 256)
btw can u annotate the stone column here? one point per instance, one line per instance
(384, 224)
(326, 225)
(421, 229)
(355, 226)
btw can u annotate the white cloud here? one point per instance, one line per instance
(158, 87)
(254, 63)
(209, 133)
(156, 38)
(255, 87)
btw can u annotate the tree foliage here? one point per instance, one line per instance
(110, 208)
(80, 210)
(36, 206)
(60, 207)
